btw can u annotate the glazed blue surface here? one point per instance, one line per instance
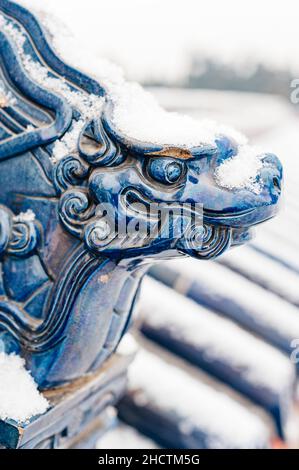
(67, 287)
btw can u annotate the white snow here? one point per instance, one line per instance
(138, 115)
(20, 399)
(216, 337)
(68, 143)
(241, 170)
(88, 105)
(28, 216)
(125, 437)
(6, 97)
(265, 308)
(227, 423)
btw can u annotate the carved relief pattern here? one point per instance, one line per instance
(18, 236)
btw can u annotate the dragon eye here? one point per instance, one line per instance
(165, 170)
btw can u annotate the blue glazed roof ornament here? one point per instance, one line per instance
(68, 281)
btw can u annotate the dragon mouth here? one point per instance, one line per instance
(206, 241)
(241, 220)
(234, 220)
(210, 214)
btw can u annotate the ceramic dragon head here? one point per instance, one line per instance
(144, 176)
(106, 181)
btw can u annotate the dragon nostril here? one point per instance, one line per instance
(276, 183)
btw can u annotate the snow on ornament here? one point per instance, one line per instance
(20, 399)
(241, 171)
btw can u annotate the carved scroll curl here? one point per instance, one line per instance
(98, 235)
(215, 240)
(70, 171)
(75, 210)
(19, 235)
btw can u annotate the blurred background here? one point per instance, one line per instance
(215, 367)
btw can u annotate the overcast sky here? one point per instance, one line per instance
(155, 38)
